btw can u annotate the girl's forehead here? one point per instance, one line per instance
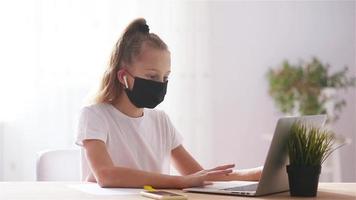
(153, 59)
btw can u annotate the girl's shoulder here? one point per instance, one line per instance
(96, 108)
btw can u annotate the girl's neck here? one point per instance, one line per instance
(124, 105)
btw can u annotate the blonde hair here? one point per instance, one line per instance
(127, 48)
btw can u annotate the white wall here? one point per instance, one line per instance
(1, 151)
(246, 40)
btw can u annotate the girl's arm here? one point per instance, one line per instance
(108, 175)
(186, 164)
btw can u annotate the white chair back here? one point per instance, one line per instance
(58, 165)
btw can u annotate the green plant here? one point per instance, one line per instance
(299, 87)
(309, 145)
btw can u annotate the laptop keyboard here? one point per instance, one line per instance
(252, 187)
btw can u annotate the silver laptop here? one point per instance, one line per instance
(274, 177)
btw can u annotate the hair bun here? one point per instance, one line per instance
(144, 28)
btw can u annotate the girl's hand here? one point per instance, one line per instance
(203, 177)
(252, 174)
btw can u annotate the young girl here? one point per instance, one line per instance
(127, 145)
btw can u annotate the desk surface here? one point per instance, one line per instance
(61, 190)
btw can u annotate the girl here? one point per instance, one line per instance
(127, 145)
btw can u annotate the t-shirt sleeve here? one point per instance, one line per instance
(175, 138)
(91, 125)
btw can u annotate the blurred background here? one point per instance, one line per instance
(53, 54)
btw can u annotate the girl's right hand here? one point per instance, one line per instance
(203, 177)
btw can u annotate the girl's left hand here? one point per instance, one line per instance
(252, 174)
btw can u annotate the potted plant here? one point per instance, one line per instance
(308, 88)
(308, 147)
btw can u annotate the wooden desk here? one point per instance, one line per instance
(61, 190)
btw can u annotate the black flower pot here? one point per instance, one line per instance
(303, 180)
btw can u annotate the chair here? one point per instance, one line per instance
(58, 165)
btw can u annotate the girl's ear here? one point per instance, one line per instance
(121, 76)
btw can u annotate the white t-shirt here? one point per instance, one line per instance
(143, 143)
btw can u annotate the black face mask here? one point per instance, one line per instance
(147, 93)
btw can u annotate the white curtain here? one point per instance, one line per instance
(53, 53)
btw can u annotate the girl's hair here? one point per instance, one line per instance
(126, 50)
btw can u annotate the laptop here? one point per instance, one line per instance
(274, 178)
